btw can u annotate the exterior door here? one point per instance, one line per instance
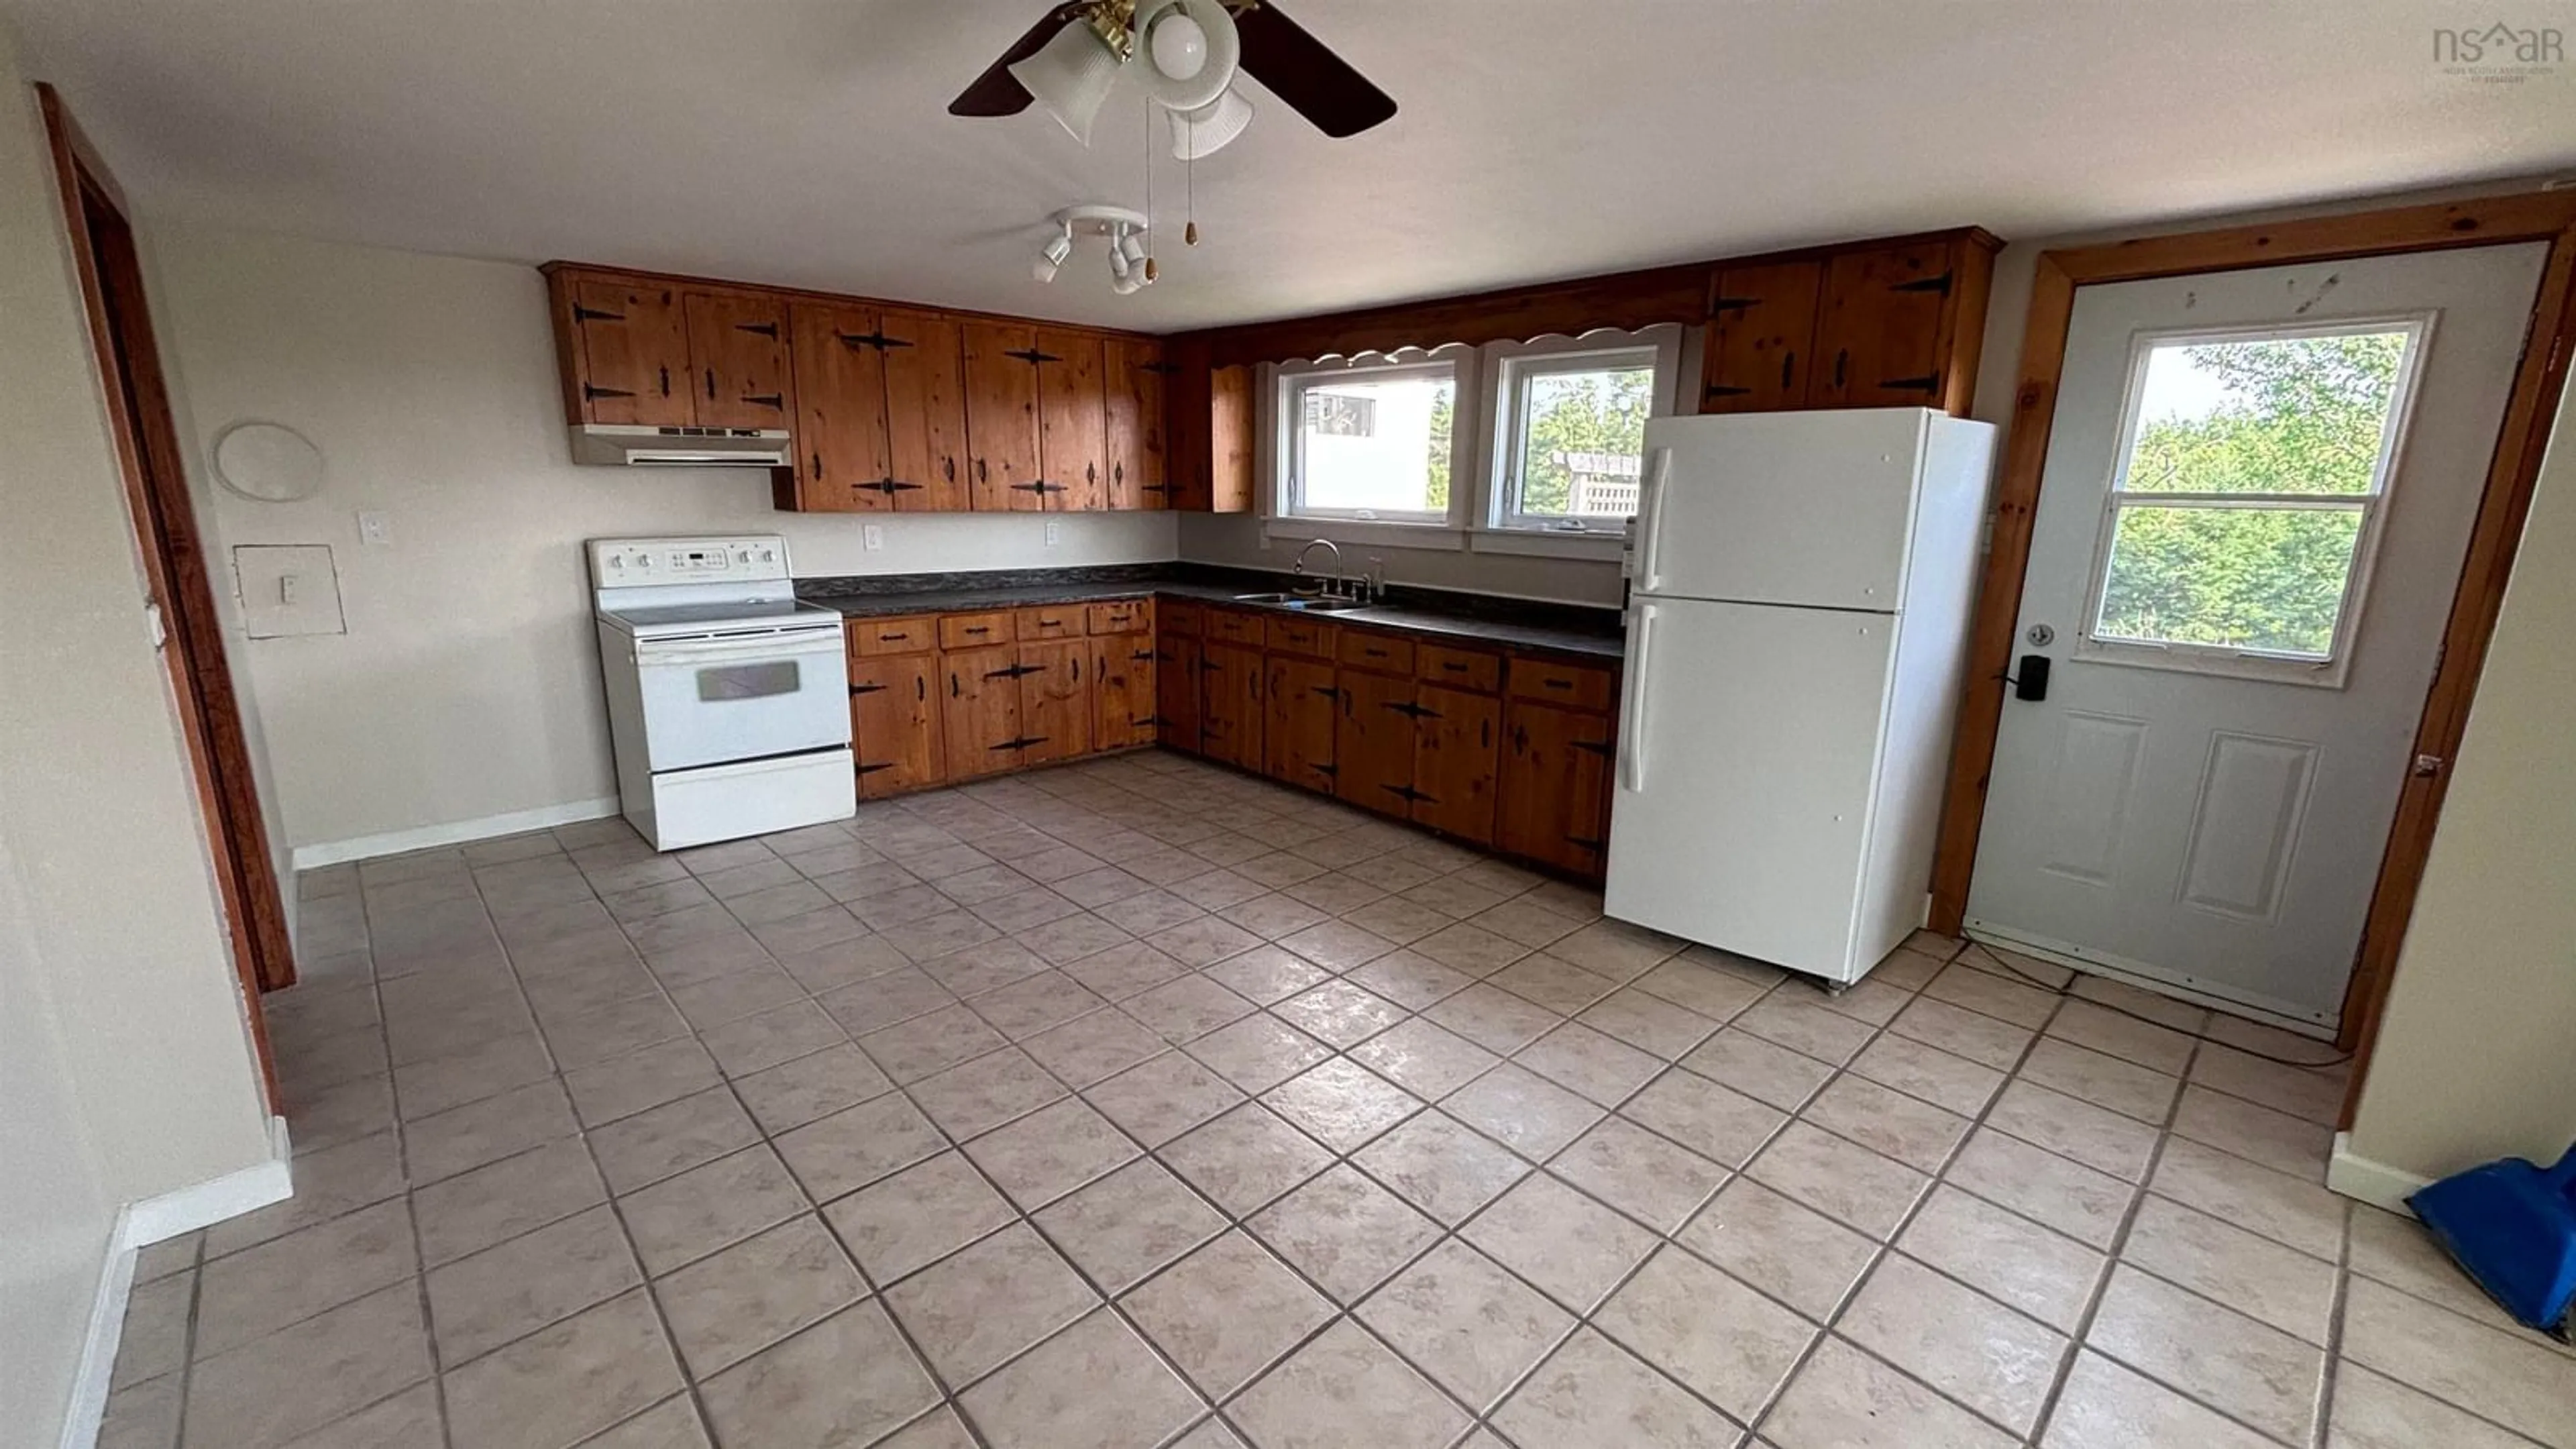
(2258, 492)
(894, 723)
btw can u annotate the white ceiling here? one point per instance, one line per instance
(806, 141)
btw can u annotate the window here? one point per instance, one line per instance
(2237, 533)
(1572, 440)
(1372, 441)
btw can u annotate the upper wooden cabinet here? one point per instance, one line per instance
(1002, 416)
(1133, 373)
(1761, 337)
(627, 346)
(845, 461)
(738, 359)
(1073, 421)
(925, 393)
(1896, 324)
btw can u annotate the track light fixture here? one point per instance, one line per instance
(1131, 265)
(1052, 255)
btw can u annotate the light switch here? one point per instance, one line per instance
(287, 589)
(872, 536)
(1054, 532)
(376, 530)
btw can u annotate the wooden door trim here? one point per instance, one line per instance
(163, 516)
(2530, 411)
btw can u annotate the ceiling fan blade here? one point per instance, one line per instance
(996, 92)
(1300, 70)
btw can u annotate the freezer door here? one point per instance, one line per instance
(1747, 749)
(1811, 508)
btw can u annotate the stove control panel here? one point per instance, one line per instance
(628, 562)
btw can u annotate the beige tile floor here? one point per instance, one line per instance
(1139, 1103)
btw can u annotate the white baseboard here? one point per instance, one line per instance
(190, 1208)
(88, 1410)
(2375, 1183)
(138, 1226)
(456, 832)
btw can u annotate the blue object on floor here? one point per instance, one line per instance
(2512, 1225)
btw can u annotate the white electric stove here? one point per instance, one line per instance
(728, 697)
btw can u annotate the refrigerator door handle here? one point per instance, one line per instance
(1650, 524)
(1632, 711)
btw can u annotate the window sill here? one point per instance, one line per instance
(1595, 546)
(1437, 536)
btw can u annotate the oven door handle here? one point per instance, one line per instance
(763, 646)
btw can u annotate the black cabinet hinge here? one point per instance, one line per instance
(1408, 793)
(1585, 842)
(767, 400)
(1928, 382)
(1939, 284)
(868, 769)
(592, 394)
(1604, 748)
(1723, 389)
(758, 329)
(1325, 769)
(1032, 356)
(867, 688)
(1732, 304)
(581, 314)
(1327, 691)
(1160, 369)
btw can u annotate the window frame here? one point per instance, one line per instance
(1288, 437)
(2227, 661)
(1510, 366)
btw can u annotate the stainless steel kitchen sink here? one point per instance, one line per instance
(1310, 603)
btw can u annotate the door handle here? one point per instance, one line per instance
(1632, 713)
(2032, 682)
(1650, 528)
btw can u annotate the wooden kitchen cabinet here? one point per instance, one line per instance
(629, 346)
(1177, 687)
(738, 359)
(1890, 323)
(925, 401)
(1230, 720)
(1124, 686)
(894, 723)
(845, 461)
(1002, 416)
(1073, 421)
(1055, 701)
(1761, 337)
(1132, 385)
(1554, 795)
(1456, 739)
(1373, 742)
(1303, 714)
(979, 720)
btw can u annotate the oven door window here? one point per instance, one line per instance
(718, 683)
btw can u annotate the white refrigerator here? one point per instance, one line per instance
(1800, 586)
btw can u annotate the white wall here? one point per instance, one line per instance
(125, 1066)
(467, 685)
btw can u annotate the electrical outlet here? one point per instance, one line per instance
(376, 530)
(872, 537)
(1055, 532)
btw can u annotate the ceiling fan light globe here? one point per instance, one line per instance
(1198, 134)
(1191, 51)
(1070, 76)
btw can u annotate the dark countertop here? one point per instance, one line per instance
(1586, 633)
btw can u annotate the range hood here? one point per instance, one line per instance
(635, 445)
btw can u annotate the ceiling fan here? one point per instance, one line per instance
(1188, 53)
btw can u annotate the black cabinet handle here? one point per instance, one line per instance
(953, 690)
(711, 384)
(950, 464)
(1788, 366)
(666, 380)
(982, 473)
(818, 467)
(1842, 360)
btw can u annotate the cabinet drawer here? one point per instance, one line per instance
(1301, 636)
(1566, 684)
(973, 631)
(1180, 617)
(1462, 668)
(1050, 621)
(892, 636)
(1367, 649)
(1122, 616)
(1233, 627)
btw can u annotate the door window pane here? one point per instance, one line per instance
(2267, 579)
(2266, 415)
(1579, 443)
(1376, 446)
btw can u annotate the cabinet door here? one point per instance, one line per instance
(1373, 744)
(1554, 801)
(1055, 701)
(1230, 706)
(1455, 762)
(1139, 475)
(1761, 336)
(1881, 330)
(894, 723)
(925, 389)
(1304, 710)
(979, 721)
(1122, 682)
(841, 410)
(738, 359)
(1176, 691)
(634, 363)
(1073, 422)
(1002, 415)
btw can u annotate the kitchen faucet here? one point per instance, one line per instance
(1297, 570)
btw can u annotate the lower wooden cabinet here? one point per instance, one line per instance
(1554, 793)
(1123, 677)
(979, 718)
(894, 723)
(1298, 727)
(1454, 761)
(1373, 742)
(1230, 704)
(1055, 701)
(1176, 691)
